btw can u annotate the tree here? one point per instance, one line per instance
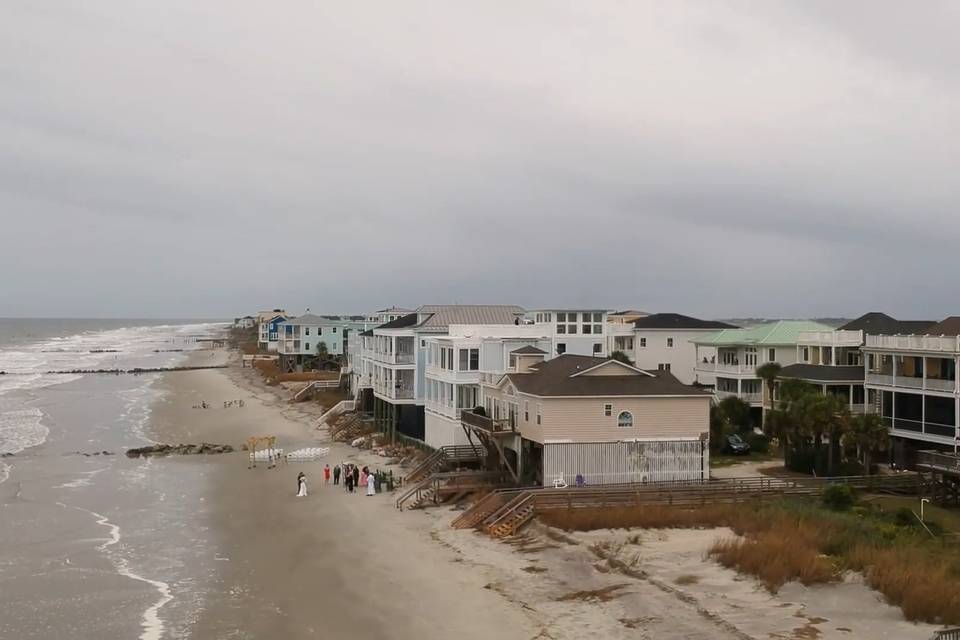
(768, 372)
(728, 416)
(620, 356)
(839, 426)
(322, 349)
(782, 424)
(870, 435)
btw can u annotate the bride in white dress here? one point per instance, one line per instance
(301, 486)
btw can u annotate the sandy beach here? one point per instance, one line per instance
(332, 564)
(344, 565)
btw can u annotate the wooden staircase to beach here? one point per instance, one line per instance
(474, 515)
(507, 520)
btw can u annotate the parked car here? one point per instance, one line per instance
(736, 445)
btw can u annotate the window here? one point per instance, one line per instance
(643, 343)
(526, 411)
(513, 361)
(586, 329)
(772, 355)
(464, 357)
(474, 359)
(561, 348)
(571, 328)
(806, 354)
(561, 317)
(306, 346)
(608, 410)
(663, 366)
(306, 331)
(625, 419)
(319, 331)
(561, 328)
(586, 317)
(539, 409)
(597, 347)
(423, 343)
(598, 328)
(598, 317)
(334, 329)
(670, 342)
(334, 346)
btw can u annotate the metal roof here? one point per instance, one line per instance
(780, 332)
(440, 316)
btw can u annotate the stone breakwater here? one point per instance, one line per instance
(204, 448)
(135, 371)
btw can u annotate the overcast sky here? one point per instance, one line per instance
(208, 159)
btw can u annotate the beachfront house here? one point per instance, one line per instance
(912, 380)
(727, 360)
(575, 331)
(458, 361)
(832, 361)
(268, 331)
(663, 341)
(391, 380)
(246, 322)
(595, 420)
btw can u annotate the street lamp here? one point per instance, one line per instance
(922, 500)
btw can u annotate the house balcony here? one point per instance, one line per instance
(911, 428)
(750, 398)
(728, 369)
(395, 358)
(910, 382)
(394, 391)
(476, 421)
(830, 338)
(941, 344)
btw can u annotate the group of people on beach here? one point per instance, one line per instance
(354, 477)
(232, 403)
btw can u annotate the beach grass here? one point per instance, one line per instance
(800, 540)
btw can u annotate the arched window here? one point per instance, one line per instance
(625, 419)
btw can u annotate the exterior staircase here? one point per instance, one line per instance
(512, 516)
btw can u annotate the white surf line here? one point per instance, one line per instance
(153, 627)
(83, 481)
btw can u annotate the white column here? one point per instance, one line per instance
(851, 398)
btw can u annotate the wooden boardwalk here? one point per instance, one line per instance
(503, 512)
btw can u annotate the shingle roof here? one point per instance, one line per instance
(947, 327)
(309, 318)
(781, 332)
(556, 378)
(440, 316)
(402, 322)
(822, 373)
(529, 350)
(877, 323)
(678, 321)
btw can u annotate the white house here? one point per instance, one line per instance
(456, 364)
(663, 341)
(246, 322)
(913, 378)
(582, 332)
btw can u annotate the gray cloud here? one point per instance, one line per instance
(720, 159)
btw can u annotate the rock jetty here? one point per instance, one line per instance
(203, 448)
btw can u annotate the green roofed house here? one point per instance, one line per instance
(733, 370)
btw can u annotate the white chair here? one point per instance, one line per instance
(559, 483)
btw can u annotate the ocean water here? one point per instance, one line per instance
(94, 545)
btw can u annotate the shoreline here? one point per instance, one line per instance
(332, 563)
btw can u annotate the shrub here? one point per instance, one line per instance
(850, 468)
(839, 497)
(903, 517)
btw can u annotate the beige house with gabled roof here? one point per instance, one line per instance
(595, 419)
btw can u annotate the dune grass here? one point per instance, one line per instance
(801, 541)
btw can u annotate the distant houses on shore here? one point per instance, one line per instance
(613, 396)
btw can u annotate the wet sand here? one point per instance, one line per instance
(332, 564)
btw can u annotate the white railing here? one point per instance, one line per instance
(909, 382)
(394, 358)
(746, 397)
(936, 384)
(948, 344)
(734, 369)
(831, 338)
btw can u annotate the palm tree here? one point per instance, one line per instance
(782, 424)
(838, 427)
(620, 356)
(870, 435)
(768, 372)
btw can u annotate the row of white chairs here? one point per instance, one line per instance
(308, 454)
